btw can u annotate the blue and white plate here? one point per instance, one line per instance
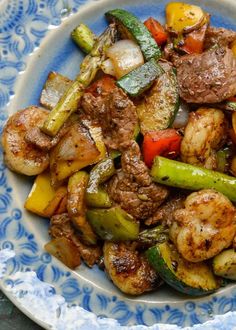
(35, 39)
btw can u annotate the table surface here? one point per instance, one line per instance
(11, 318)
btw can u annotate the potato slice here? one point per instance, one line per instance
(65, 250)
(182, 17)
(55, 86)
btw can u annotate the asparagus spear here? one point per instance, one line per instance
(230, 105)
(153, 236)
(181, 175)
(67, 104)
(70, 100)
(84, 37)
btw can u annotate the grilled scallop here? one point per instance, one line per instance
(205, 226)
(20, 156)
(129, 269)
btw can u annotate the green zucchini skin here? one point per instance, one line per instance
(174, 105)
(224, 264)
(158, 109)
(130, 26)
(171, 277)
(140, 79)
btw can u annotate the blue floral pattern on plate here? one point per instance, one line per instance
(23, 26)
(37, 297)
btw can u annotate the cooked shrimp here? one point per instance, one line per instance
(204, 134)
(20, 156)
(205, 226)
(128, 269)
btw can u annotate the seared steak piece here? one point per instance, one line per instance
(141, 202)
(44, 141)
(165, 213)
(133, 166)
(207, 78)
(132, 187)
(218, 36)
(115, 113)
(129, 269)
(61, 226)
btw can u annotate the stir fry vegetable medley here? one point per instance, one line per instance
(135, 160)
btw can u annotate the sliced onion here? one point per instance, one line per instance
(68, 151)
(125, 55)
(108, 67)
(181, 118)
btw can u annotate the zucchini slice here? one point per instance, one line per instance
(224, 264)
(140, 79)
(158, 109)
(132, 28)
(194, 279)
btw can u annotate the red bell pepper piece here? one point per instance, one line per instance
(157, 31)
(194, 41)
(103, 85)
(161, 143)
(232, 99)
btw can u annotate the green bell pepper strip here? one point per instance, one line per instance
(96, 196)
(222, 157)
(113, 224)
(176, 174)
(113, 154)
